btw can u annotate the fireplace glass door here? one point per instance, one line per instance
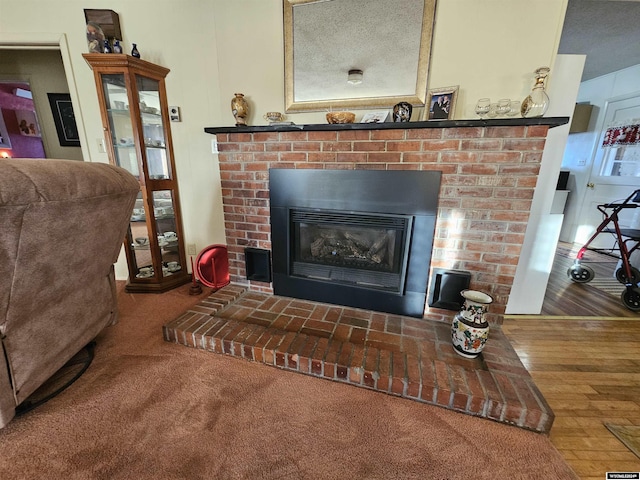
(361, 249)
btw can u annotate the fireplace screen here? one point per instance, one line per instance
(362, 249)
(361, 238)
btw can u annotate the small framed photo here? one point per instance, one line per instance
(375, 117)
(441, 103)
(28, 123)
(64, 119)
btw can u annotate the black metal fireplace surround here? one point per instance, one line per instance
(360, 238)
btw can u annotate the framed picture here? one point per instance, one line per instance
(107, 20)
(64, 119)
(5, 141)
(375, 117)
(441, 103)
(28, 123)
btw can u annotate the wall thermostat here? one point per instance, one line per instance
(174, 114)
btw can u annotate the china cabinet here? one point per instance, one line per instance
(135, 121)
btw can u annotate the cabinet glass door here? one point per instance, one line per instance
(139, 241)
(153, 129)
(168, 241)
(121, 126)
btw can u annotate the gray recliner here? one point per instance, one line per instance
(62, 224)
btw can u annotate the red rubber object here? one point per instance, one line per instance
(212, 266)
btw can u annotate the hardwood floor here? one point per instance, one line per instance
(565, 297)
(583, 352)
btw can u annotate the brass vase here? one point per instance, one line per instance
(240, 109)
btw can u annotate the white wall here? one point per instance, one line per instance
(581, 147)
(543, 229)
(215, 48)
(175, 34)
(491, 47)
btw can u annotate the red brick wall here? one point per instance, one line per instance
(489, 175)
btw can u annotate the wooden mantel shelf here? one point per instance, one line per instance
(497, 122)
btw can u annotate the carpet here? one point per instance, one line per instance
(629, 435)
(148, 409)
(59, 381)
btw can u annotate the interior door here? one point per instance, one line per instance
(615, 173)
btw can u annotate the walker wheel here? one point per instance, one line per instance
(631, 298)
(581, 273)
(622, 278)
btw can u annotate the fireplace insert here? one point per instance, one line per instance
(360, 238)
(350, 248)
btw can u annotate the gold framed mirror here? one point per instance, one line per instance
(387, 43)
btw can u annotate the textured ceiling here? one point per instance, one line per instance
(606, 31)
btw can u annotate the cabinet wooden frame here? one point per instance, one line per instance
(131, 68)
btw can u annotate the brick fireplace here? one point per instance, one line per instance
(489, 172)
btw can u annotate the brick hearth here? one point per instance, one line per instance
(402, 356)
(489, 173)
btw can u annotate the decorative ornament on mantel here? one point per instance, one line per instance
(134, 51)
(340, 117)
(239, 108)
(470, 329)
(402, 112)
(537, 103)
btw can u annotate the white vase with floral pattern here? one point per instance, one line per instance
(470, 329)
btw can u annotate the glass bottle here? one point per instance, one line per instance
(536, 104)
(106, 48)
(117, 48)
(134, 51)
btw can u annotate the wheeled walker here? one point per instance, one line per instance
(627, 240)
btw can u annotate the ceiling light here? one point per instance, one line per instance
(355, 77)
